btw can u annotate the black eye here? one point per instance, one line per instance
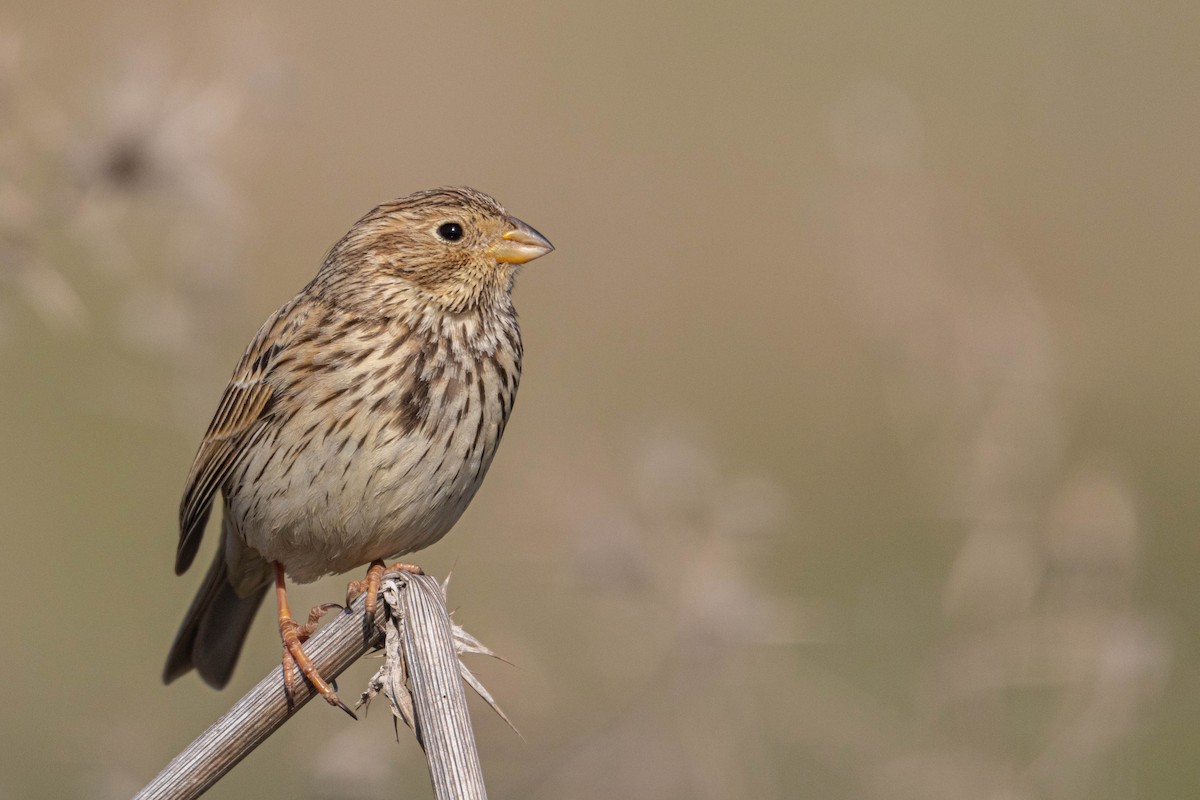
(450, 231)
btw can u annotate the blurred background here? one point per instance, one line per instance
(856, 453)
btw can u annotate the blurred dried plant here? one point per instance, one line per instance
(122, 196)
(25, 272)
(1044, 665)
(667, 549)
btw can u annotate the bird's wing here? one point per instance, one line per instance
(239, 421)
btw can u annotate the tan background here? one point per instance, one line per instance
(856, 453)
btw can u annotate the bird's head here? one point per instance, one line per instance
(455, 246)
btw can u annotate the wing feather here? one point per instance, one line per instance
(239, 421)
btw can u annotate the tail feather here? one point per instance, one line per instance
(214, 628)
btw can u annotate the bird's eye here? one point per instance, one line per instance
(450, 231)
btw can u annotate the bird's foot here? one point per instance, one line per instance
(370, 584)
(294, 635)
(315, 614)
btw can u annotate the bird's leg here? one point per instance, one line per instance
(370, 584)
(293, 634)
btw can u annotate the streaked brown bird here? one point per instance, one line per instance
(361, 419)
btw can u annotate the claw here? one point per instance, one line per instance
(345, 708)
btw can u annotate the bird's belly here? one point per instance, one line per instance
(361, 492)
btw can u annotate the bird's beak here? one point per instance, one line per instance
(520, 245)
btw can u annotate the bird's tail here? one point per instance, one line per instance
(214, 628)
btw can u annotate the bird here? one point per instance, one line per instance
(359, 422)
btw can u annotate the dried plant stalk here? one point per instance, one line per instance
(428, 670)
(443, 725)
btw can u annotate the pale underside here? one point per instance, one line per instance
(348, 464)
